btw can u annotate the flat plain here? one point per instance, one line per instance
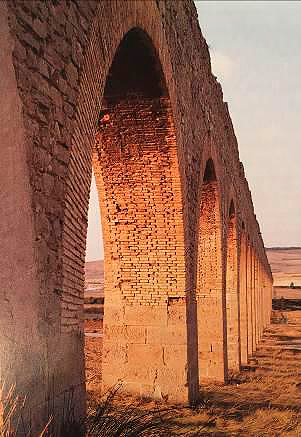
(286, 265)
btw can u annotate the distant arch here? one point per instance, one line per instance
(232, 290)
(232, 210)
(250, 294)
(243, 295)
(210, 295)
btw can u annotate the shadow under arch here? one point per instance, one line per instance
(135, 70)
(136, 170)
(232, 291)
(210, 292)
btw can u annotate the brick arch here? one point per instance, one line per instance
(257, 304)
(243, 294)
(87, 126)
(254, 297)
(136, 168)
(137, 174)
(250, 296)
(98, 60)
(232, 289)
(210, 293)
(252, 300)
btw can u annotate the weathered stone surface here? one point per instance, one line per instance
(84, 85)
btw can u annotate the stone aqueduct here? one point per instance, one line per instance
(127, 86)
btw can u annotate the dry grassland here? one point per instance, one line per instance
(263, 400)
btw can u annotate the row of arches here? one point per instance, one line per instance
(233, 304)
(160, 325)
(187, 287)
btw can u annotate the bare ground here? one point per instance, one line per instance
(263, 400)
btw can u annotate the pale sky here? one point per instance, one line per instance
(255, 50)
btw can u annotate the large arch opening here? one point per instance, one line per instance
(137, 177)
(135, 70)
(232, 292)
(210, 291)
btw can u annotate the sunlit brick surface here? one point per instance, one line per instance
(232, 293)
(136, 161)
(210, 292)
(243, 298)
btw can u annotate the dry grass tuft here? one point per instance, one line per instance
(11, 407)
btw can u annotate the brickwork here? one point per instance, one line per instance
(232, 292)
(249, 300)
(243, 298)
(119, 83)
(256, 301)
(145, 271)
(138, 163)
(210, 291)
(253, 295)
